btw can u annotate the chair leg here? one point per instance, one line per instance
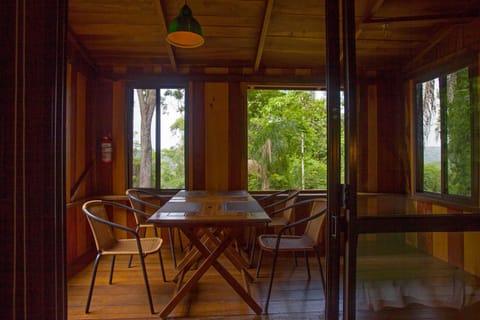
(259, 264)
(274, 263)
(92, 283)
(111, 270)
(144, 234)
(161, 265)
(307, 264)
(294, 253)
(145, 278)
(253, 245)
(248, 242)
(171, 239)
(321, 268)
(180, 242)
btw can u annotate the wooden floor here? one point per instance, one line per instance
(293, 297)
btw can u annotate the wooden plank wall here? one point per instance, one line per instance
(457, 248)
(382, 153)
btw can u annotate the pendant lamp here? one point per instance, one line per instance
(185, 31)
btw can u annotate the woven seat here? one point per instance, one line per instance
(287, 243)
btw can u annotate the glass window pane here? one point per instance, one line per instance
(143, 138)
(431, 136)
(458, 133)
(172, 139)
(158, 163)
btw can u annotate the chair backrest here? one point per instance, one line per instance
(291, 198)
(141, 200)
(102, 232)
(315, 228)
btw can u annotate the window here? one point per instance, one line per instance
(287, 139)
(445, 144)
(157, 138)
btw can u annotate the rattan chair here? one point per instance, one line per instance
(149, 201)
(108, 243)
(309, 241)
(280, 212)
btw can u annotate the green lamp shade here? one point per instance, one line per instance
(185, 31)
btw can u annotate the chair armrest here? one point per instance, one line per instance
(296, 204)
(116, 225)
(271, 196)
(272, 205)
(296, 223)
(145, 203)
(301, 221)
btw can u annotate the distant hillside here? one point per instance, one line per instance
(432, 155)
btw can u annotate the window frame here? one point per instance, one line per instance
(130, 127)
(441, 72)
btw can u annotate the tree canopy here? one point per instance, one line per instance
(286, 140)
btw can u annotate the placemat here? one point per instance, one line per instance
(234, 193)
(181, 207)
(241, 206)
(192, 193)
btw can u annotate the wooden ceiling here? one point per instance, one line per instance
(117, 36)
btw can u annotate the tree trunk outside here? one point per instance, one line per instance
(147, 100)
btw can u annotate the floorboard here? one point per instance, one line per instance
(293, 297)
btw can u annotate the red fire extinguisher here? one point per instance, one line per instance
(107, 149)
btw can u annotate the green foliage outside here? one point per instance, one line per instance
(456, 124)
(459, 139)
(432, 178)
(287, 131)
(287, 142)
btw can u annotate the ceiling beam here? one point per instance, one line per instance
(439, 36)
(436, 17)
(263, 34)
(72, 38)
(358, 27)
(163, 26)
(373, 10)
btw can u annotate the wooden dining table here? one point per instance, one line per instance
(214, 222)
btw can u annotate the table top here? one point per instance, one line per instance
(210, 208)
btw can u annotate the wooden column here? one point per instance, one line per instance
(32, 150)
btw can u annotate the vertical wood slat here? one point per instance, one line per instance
(471, 257)
(196, 141)
(372, 182)
(101, 124)
(456, 249)
(392, 155)
(118, 138)
(237, 142)
(79, 122)
(216, 135)
(363, 133)
(70, 116)
(440, 239)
